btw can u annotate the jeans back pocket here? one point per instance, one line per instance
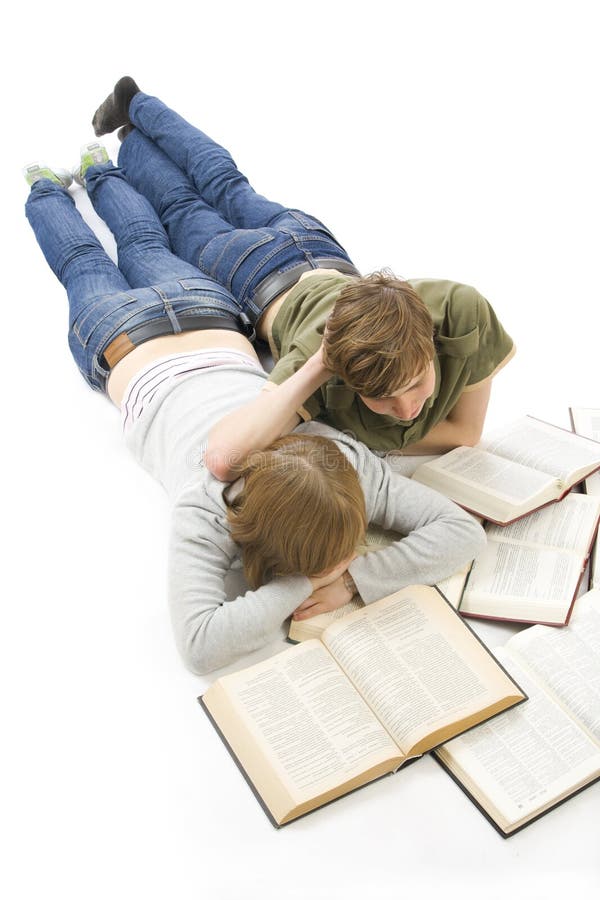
(308, 223)
(110, 310)
(223, 256)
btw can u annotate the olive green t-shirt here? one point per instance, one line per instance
(471, 345)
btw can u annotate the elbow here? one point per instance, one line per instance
(466, 434)
(198, 661)
(466, 534)
(221, 462)
(198, 666)
(472, 435)
(202, 652)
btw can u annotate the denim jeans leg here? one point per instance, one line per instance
(190, 223)
(76, 257)
(71, 248)
(209, 166)
(144, 252)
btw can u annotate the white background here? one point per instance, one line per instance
(454, 140)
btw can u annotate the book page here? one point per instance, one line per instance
(530, 570)
(416, 664)
(453, 586)
(525, 760)
(310, 725)
(543, 447)
(586, 422)
(567, 660)
(592, 485)
(568, 525)
(508, 480)
(308, 629)
(522, 583)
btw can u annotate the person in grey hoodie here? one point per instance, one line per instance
(169, 347)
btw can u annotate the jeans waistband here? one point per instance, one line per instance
(278, 282)
(129, 340)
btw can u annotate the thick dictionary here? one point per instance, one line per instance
(381, 687)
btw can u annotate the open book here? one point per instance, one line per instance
(531, 571)
(529, 760)
(383, 685)
(518, 469)
(586, 422)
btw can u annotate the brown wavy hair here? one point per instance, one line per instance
(379, 335)
(301, 509)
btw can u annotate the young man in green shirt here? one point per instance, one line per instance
(397, 364)
(402, 366)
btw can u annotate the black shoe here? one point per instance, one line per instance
(114, 112)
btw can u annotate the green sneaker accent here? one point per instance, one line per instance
(35, 171)
(91, 155)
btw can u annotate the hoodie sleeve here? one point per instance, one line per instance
(210, 630)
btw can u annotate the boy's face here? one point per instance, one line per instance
(407, 402)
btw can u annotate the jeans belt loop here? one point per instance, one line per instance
(247, 327)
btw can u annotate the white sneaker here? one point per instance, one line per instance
(91, 155)
(34, 171)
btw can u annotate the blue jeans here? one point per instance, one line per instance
(214, 219)
(151, 292)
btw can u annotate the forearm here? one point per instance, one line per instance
(462, 427)
(257, 424)
(211, 632)
(444, 436)
(426, 556)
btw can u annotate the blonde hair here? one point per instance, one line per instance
(301, 509)
(379, 335)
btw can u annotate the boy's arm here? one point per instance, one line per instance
(462, 427)
(258, 423)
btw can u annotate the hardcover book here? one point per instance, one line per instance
(521, 765)
(531, 571)
(515, 471)
(382, 686)
(586, 422)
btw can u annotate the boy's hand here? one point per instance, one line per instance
(316, 365)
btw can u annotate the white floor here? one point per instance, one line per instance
(448, 140)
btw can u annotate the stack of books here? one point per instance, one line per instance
(369, 689)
